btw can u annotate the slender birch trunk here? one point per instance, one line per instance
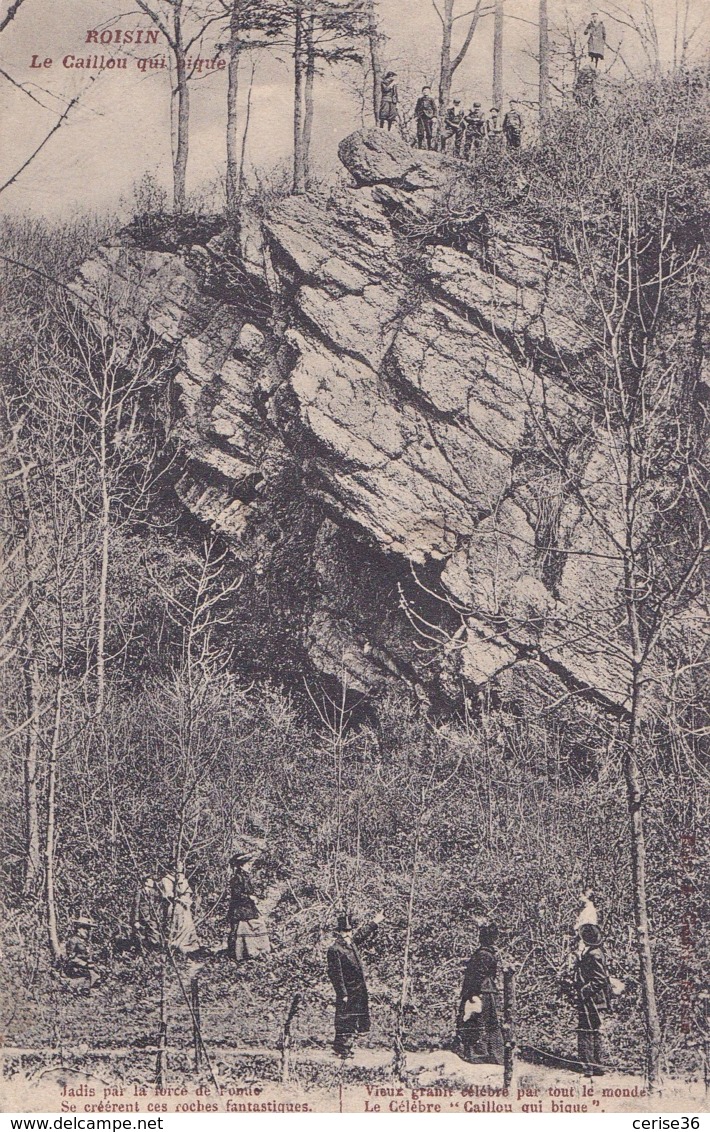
(235, 47)
(299, 68)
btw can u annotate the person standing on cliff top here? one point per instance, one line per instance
(425, 114)
(454, 126)
(389, 99)
(513, 126)
(475, 131)
(596, 38)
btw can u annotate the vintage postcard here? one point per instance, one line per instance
(355, 516)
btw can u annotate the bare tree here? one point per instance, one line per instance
(374, 38)
(448, 64)
(252, 25)
(544, 66)
(183, 24)
(326, 31)
(498, 26)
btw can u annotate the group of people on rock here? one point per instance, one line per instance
(470, 130)
(162, 921)
(467, 130)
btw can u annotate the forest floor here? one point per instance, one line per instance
(64, 1050)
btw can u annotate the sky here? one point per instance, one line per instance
(119, 130)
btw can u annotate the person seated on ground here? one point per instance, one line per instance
(478, 1028)
(179, 902)
(346, 973)
(454, 126)
(78, 963)
(389, 98)
(425, 113)
(513, 126)
(248, 936)
(147, 920)
(474, 130)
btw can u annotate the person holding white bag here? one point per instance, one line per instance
(477, 1023)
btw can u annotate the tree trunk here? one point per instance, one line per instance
(235, 45)
(498, 55)
(308, 95)
(52, 930)
(183, 117)
(103, 571)
(445, 56)
(31, 679)
(374, 39)
(544, 74)
(33, 852)
(245, 134)
(299, 74)
(638, 874)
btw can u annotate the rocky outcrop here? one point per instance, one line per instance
(406, 409)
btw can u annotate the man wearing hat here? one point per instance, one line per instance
(475, 130)
(494, 133)
(346, 973)
(425, 115)
(592, 990)
(454, 126)
(477, 1022)
(247, 932)
(389, 97)
(513, 126)
(78, 953)
(596, 38)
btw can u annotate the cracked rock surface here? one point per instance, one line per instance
(399, 408)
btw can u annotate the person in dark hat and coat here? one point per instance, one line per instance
(78, 966)
(346, 973)
(475, 131)
(477, 1023)
(454, 126)
(425, 113)
(592, 990)
(248, 937)
(389, 98)
(513, 126)
(596, 38)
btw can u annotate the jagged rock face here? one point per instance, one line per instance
(401, 408)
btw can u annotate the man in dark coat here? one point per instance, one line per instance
(596, 38)
(345, 971)
(477, 1025)
(592, 990)
(242, 908)
(425, 114)
(454, 126)
(475, 130)
(513, 126)
(389, 98)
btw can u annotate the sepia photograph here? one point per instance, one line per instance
(354, 557)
